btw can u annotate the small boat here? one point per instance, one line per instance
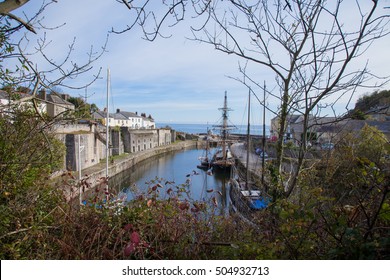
(246, 196)
(205, 159)
(205, 163)
(244, 199)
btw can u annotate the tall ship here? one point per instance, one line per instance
(223, 159)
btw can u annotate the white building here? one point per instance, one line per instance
(22, 101)
(134, 121)
(125, 119)
(120, 120)
(101, 117)
(148, 123)
(4, 99)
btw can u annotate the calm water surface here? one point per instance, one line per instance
(177, 167)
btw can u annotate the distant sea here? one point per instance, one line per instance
(202, 128)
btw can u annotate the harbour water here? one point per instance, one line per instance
(175, 169)
(178, 169)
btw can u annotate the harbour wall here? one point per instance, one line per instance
(95, 175)
(86, 143)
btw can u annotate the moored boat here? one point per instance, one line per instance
(223, 158)
(205, 159)
(246, 196)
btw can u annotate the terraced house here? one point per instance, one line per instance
(125, 119)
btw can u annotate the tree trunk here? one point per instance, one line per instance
(282, 130)
(301, 156)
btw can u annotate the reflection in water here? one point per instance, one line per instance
(177, 167)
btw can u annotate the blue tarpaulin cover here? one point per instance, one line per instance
(259, 203)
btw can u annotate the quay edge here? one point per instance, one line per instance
(98, 171)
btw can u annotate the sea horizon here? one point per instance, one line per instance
(198, 128)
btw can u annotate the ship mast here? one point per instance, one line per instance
(225, 126)
(248, 142)
(107, 132)
(263, 145)
(221, 158)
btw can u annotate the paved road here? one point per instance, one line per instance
(239, 151)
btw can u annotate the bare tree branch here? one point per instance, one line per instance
(308, 45)
(8, 6)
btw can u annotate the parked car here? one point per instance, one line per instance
(260, 153)
(263, 154)
(327, 146)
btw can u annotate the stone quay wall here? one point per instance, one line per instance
(95, 175)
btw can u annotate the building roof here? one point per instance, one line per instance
(291, 118)
(119, 116)
(324, 120)
(382, 126)
(148, 119)
(102, 115)
(57, 99)
(295, 118)
(354, 125)
(329, 128)
(128, 114)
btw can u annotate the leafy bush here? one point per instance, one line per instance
(28, 154)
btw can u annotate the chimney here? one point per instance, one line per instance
(42, 94)
(65, 96)
(118, 110)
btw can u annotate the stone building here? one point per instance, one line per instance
(325, 129)
(57, 105)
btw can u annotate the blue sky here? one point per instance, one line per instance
(175, 80)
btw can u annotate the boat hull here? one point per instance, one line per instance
(246, 201)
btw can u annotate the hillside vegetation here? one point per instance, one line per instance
(373, 100)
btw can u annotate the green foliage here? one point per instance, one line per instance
(353, 203)
(368, 143)
(28, 154)
(163, 223)
(83, 110)
(6, 48)
(340, 209)
(358, 115)
(376, 99)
